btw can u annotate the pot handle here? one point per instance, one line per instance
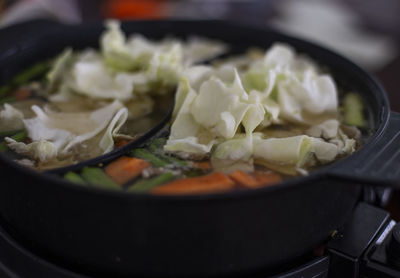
(381, 165)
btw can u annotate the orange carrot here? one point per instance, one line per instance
(258, 179)
(125, 168)
(215, 182)
(267, 178)
(243, 179)
(202, 165)
(21, 94)
(122, 142)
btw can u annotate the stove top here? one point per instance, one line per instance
(367, 246)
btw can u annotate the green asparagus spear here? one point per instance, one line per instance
(97, 177)
(74, 178)
(149, 157)
(353, 110)
(7, 100)
(156, 148)
(30, 73)
(9, 132)
(157, 144)
(17, 137)
(145, 185)
(4, 90)
(173, 160)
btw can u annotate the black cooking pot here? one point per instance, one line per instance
(116, 234)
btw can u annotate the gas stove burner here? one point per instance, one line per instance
(367, 246)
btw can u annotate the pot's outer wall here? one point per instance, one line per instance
(112, 235)
(115, 234)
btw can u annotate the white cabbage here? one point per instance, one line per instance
(324, 152)
(126, 67)
(331, 131)
(184, 124)
(188, 146)
(345, 144)
(26, 162)
(294, 83)
(107, 141)
(281, 88)
(295, 150)
(201, 49)
(65, 130)
(222, 108)
(315, 95)
(121, 55)
(272, 111)
(91, 77)
(196, 75)
(165, 66)
(327, 130)
(279, 56)
(60, 67)
(41, 150)
(217, 109)
(234, 154)
(186, 135)
(10, 118)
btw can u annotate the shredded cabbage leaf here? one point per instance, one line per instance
(111, 85)
(199, 49)
(60, 66)
(126, 68)
(57, 133)
(229, 105)
(10, 118)
(41, 150)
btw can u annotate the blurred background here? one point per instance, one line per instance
(366, 31)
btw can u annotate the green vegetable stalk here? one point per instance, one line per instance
(157, 144)
(22, 78)
(173, 160)
(353, 108)
(29, 74)
(19, 136)
(10, 132)
(7, 100)
(156, 147)
(4, 90)
(145, 185)
(97, 177)
(149, 157)
(74, 178)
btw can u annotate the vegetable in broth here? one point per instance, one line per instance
(243, 122)
(83, 104)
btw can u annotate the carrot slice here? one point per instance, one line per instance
(215, 182)
(125, 169)
(267, 178)
(21, 94)
(258, 179)
(202, 165)
(122, 142)
(243, 179)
